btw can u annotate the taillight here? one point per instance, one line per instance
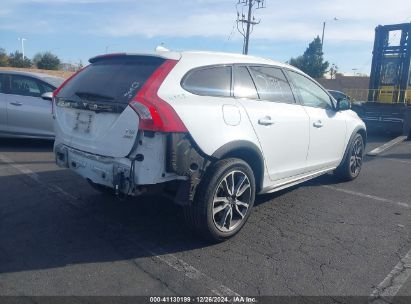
(155, 114)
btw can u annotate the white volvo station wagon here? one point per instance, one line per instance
(210, 130)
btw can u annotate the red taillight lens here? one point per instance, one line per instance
(155, 114)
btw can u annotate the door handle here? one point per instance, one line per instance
(318, 124)
(16, 103)
(266, 121)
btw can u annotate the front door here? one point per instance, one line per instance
(3, 107)
(27, 112)
(327, 126)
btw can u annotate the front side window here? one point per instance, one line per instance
(25, 86)
(338, 95)
(1, 83)
(210, 81)
(272, 84)
(46, 87)
(311, 94)
(243, 84)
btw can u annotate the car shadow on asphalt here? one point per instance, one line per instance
(25, 145)
(43, 226)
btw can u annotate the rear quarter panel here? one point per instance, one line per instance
(203, 115)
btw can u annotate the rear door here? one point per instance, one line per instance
(327, 126)
(280, 123)
(27, 112)
(3, 107)
(92, 112)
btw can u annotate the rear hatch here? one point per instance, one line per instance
(91, 109)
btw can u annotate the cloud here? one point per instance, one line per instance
(284, 21)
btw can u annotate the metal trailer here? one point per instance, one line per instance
(389, 99)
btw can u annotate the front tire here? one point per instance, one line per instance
(351, 166)
(223, 200)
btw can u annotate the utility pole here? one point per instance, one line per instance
(322, 37)
(249, 22)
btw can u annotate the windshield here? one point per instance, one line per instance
(112, 79)
(54, 81)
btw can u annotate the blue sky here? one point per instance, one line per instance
(79, 29)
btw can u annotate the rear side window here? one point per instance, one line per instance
(243, 84)
(272, 84)
(1, 83)
(210, 81)
(25, 86)
(115, 79)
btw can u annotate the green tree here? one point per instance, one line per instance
(4, 58)
(312, 61)
(36, 59)
(47, 61)
(16, 60)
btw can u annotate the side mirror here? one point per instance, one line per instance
(47, 96)
(343, 104)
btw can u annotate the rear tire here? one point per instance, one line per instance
(223, 200)
(351, 166)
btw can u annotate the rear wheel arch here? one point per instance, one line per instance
(248, 152)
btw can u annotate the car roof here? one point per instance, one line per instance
(220, 57)
(41, 76)
(203, 58)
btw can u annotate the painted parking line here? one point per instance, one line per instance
(393, 282)
(373, 197)
(387, 146)
(155, 251)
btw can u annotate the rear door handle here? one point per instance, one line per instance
(266, 121)
(318, 124)
(16, 103)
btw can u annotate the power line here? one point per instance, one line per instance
(247, 21)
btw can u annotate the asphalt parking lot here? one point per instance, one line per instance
(58, 236)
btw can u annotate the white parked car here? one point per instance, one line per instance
(25, 104)
(210, 129)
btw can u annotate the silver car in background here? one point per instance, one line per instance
(25, 104)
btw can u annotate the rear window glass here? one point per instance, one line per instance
(54, 81)
(211, 81)
(116, 79)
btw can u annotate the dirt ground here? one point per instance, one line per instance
(64, 74)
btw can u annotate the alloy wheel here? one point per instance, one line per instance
(231, 201)
(356, 156)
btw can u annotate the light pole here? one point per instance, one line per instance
(322, 37)
(22, 45)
